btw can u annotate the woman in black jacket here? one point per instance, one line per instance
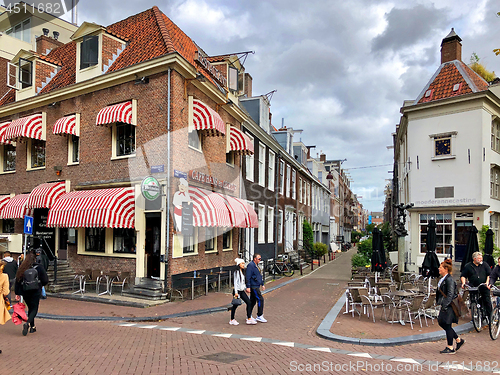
(31, 297)
(447, 291)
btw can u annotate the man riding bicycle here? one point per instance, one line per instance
(478, 273)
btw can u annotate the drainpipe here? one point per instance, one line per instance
(167, 245)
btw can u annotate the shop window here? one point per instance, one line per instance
(227, 239)
(95, 239)
(8, 155)
(124, 240)
(125, 139)
(73, 149)
(210, 240)
(8, 226)
(36, 150)
(25, 73)
(443, 232)
(89, 51)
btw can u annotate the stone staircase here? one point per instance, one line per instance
(147, 288)
(65, 277)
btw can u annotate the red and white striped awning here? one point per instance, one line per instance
(103, 208)
(121, 112)
(205, 118)
(67, 125)
(3, 201)
(27, 127)
(3, 140)
(239, 142)
(16, 207)
(45, 195)
(242, 214)
(209, 209)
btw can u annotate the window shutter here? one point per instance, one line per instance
(12, 76)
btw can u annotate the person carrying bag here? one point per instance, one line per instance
(239, 291)
(4, 292)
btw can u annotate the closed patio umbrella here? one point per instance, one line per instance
(472, 247)
(430, 265)
(488, 249)
(376, 260)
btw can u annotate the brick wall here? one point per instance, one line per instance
(44, 43)
(43, 71)
(109, 48)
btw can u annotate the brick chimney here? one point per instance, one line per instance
(451, 48)
(46, 43)
(248, 85)
(322, 157)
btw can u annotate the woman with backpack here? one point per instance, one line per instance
(30, 278)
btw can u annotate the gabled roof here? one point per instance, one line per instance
(149, 35)
(449, 76)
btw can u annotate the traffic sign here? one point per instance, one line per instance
(28, 225)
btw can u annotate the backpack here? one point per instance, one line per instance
(30, 279)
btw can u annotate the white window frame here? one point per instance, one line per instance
(261, 230)
(28, 155)
(295, 227)
(11, 31)
(70, 150)
(270, 224)
(2, 154)
(230, 234)
(495, 182)
(262, 164)
(114, 140)
(282, 177)
(250, 164)
(440, 137)
(294, 179)
(495, 135)
(271, 170)
(288, 175)
(280, 227)
(213, 231)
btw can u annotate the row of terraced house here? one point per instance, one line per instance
(135, 151)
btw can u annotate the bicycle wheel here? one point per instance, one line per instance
(495, 324)
(475, 313)
(287, 270)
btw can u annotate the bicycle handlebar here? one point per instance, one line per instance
(474, 289)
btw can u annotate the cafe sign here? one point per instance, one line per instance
(206, 179)
(150, 188)
(214, 72)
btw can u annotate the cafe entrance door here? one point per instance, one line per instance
(153, 243)
(462, 229)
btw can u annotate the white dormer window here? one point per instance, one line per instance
(25, 73)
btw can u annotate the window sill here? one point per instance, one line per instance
(188, 254)
(34, 169)
(445, 157)
(249, 179)
(211, 252)
(230, 165)
(116, 255)
(8, 172)
(123, 157)
(71, 164)
(230, 249)
(88, 68)
(195, 149)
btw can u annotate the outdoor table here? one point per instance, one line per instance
(401, 294)
(192, 278)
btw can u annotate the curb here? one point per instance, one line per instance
(324, 332)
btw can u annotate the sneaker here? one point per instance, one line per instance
(251, 321)
(447, 351)
(32, 329)
(233, 322)
(459, 344)
(25, 329)
(261, 319)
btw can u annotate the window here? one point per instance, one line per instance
(293, 191)
(262, 164)
(37, 153)
(124, 240)
(8, 226)
(125, 139)
(495, 136)
(287, 181)
(194, 139)
(443, 232)
(280, 227)
(210, 238)
(230, 158)
(227, 240)
(320, 176)
(249, 159)
(188, 244)
(95, 239)
(270, 224)
(300, 190)
(21, 31)
(260, 234)
(9, 158)
(494, 221)
(89, 51)
(495, 182)
(282, 177)
(294, 227)
(308, 194)
(73, 149)
(271, 170)
(304, 190)
(25, 73)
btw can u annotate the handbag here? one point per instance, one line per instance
(458, 305)
(236, 301)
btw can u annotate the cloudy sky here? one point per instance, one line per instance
(341, 68)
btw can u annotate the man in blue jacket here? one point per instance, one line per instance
(254, 282)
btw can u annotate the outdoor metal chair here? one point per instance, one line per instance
(120, 280)
(414, 308)
(354, 300)
(370, 301)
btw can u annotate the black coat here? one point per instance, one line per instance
(449, 288)
(494, 275)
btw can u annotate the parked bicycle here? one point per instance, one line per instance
(281, 267)
(477, 310)
(495, 316)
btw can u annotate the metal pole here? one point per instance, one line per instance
(206, 285)
(218, 284)
(192, 289)
(166, 212)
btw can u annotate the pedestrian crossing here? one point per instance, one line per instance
(453, 366)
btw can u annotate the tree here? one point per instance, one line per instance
(308, 237)
(355, 236)
(480, 69)
(370, 228)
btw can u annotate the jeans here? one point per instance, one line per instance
(256, 298)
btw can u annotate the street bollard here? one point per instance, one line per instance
(301, 269)
(324, 259)
(312, 263)
(206, 285)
